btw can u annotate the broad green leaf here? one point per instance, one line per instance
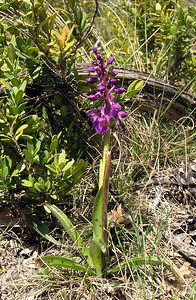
(134, 88)
(63, 37)
(11, 53)
(15, 90)
(30, 146)
(20, 166)
(51, 168)
(9, 161)
(68, 46)
(28, 155)
(158, 7)
(5, 83)
(27, 183)
(15, 173)
(21, 128)
(63, 262)
(68, 165)
(39, 187)
(97, 221)
(62, 157)
(19, 97)
(96, 255)
(54, 145)
(5, 172)
(147, 260)
(37, 147)
(68, 226)
(64, 110)
(42, 228)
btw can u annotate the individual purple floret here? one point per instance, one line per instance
(106, 91)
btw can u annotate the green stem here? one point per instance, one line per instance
(106, 148)
(104, 183)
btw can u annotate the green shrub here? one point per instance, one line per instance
(38, 125)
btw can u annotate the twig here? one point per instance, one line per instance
(91, 23)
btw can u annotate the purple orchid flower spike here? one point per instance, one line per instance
(107, 91)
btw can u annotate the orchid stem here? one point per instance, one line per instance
(104, 182)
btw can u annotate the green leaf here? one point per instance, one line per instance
(68, 226)
(28, 155)
(5, 172)
(15, 173)
(21, 128)
(158, 7)
(11, 53)
(64, 110)
(54, 145)
(23, 85)
(39, 187)
(96, 256)
(63, 262)
(52, 169)
(146, 260)
(30, 146)
(42, 228)
(19, 97)
(5, 83)
(134, 88)
(68, 165)
(97, 220)
(72, 3)
(20, 166)
(37, 147)
(101, 172)
(62, 157)
(27, 183)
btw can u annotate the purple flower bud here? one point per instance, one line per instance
(120, 90)
(95, 63)
(116, 106)
(113, 81)
(94, 96)
(101, 88)
(90, 69)
(91, 80)
(94, 49)
(122, 114)
(111, 59)
(99, 55)
(113, 73)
